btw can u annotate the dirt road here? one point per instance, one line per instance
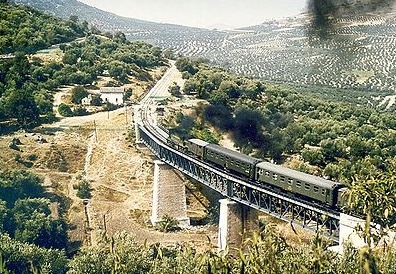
(121, 178)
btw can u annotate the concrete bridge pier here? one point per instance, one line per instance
(348, 233)
(169, 195)
(236, 223)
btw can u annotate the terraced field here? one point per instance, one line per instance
(356, 53)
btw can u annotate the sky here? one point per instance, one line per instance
(203, 13)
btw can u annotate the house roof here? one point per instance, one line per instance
(112, 90)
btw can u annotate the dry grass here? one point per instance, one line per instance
(110, 194)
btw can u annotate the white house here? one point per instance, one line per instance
(114, 95)
(87, 100)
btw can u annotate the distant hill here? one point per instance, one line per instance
(103, 20)
(354, 55)
(163, 35)
(99, 18)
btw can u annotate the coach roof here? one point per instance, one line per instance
(232, 154)
(297, 175)
(198, 142)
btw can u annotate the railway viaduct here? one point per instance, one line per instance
(241, 203)
(238, 209)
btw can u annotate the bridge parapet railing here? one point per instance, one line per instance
(296, 212)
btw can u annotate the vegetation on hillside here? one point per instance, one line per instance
(25, 211)
(267, 252)
(334, 139)
(27, 83)
(341, 141)
(27, 30)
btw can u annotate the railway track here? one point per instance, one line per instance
(306, 214)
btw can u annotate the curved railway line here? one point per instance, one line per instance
(292, 209)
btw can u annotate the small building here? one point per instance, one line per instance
(113, 95)
(87, 100)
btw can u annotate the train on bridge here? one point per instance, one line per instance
(292, 182)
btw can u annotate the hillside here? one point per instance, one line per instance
(103, 20)
(30, 79)
(341, 62)
(185, 40)
(28, 30)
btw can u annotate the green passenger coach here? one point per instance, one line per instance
(231, 160)
(297, 183)
(316, 188)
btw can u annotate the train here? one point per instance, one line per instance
(308, 187)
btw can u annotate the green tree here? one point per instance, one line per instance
(219, 98)
(185, 64)
(4, 216)
(119, 254)
(313, 156)
(19, 184)
(169, 54)
(119, 71)
(96, 100)
(127, 95)
(74, 18)
(20, 104)
(20, 257)
(84, 190)
(80, 111)
(174, 89)
(65, 110)
(78, 93)
(119, 37)
(34, 224)
(375, 195)
(70, 57)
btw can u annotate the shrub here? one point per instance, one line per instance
(65, 110)
(128, 94)
(84, 190)
(80, 111)
(109, 107)
(96, 100)
(168, 224)
(78, 93)
(175, 90)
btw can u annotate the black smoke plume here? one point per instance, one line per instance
(325, 12)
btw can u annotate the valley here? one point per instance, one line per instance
(353, 60)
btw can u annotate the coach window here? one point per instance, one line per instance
(260, 172)
(267, 174)
(275, 176)
(282, 178)
(298, 184)
(290, 181)
(323, 192)
(307, 186)
(316, 189)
